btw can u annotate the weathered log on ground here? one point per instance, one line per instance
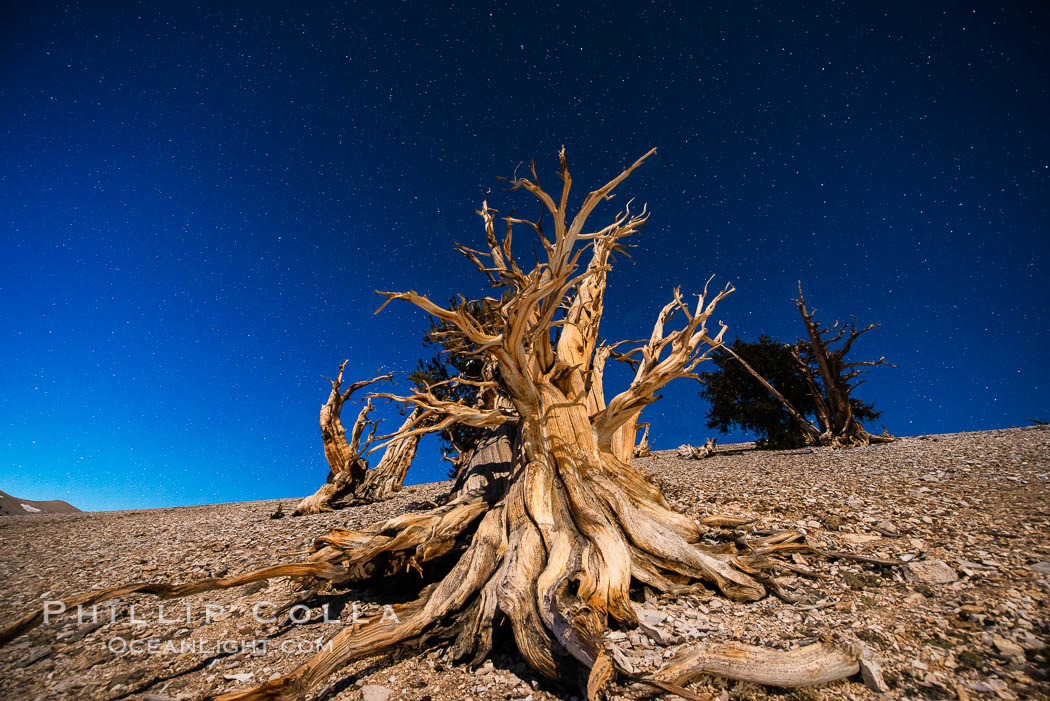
(693, 452)
(818, 663)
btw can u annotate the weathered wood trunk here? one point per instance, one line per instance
(838, 426)
(485, 469)
(347, 466)
(388, 477)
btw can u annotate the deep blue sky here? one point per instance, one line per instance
(197, 202)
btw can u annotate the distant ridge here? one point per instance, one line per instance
(13, 506)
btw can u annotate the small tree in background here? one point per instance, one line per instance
(442, 374)
(740, 400)
(737, 399)
(773, 388)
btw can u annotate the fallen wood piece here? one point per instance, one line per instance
(840, 555)
(726, 521)
(832, 554)
(693, 452)
(771, 583)
(801, 570)
(809, 665)
(790, 536)
(624, 669)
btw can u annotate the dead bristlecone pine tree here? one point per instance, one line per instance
(826, 368)
(831, 379)
(350, 481)
(643, 449)
(563, 543)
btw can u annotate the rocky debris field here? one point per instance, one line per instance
(965, 616)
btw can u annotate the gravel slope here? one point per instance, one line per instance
(977, 502)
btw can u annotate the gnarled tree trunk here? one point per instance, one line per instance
(388, 477)
(839, 427)
(486, 468)
(347, 466)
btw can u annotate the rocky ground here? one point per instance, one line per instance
(965, 617)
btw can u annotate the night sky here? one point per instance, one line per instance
(197, 204)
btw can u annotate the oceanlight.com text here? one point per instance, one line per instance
(158, 646)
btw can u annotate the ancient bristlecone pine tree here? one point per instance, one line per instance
(831, 380)
(349, 479)
(838, 426)
(555, 547)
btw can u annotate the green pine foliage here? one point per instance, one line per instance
(453, 360)
(738, 400)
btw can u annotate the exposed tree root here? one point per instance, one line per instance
(818, 663)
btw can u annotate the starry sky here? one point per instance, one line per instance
(197, 202)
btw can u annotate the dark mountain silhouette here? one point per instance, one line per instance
(13, 506)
